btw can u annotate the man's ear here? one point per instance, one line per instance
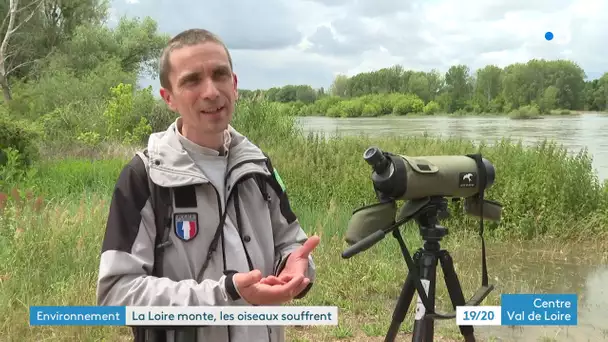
(235, 82)
(168, 98)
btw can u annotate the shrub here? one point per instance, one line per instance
(334, 111)
(160, 116)
(351, 108)
(372, 109)
(124, 115)
(19, 135)
(525, 112)
(431, 108)
(264, 122)
(408, 104)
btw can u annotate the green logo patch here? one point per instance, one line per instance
(276, 175)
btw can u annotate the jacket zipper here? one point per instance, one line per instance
(236, 182)
(221, 210)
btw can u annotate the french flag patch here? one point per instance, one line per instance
(186, 225)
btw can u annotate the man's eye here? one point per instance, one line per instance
(221, 74)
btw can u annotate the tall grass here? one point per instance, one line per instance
(52, 223)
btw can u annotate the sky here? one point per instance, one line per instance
(278, 42)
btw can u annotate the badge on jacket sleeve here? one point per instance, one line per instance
(186, 225)
(278, 178)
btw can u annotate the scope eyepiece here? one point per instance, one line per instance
(376, 159)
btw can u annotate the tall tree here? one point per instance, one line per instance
(459, 86)
(16, 17)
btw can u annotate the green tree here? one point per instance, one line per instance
(458, 87)
(488, 86)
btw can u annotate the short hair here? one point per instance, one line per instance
(186, 38)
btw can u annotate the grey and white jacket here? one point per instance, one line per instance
(269, 232)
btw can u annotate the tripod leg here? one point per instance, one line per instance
(455, 290)
(403, 303)
(424, 327)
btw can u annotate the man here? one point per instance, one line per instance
(233, 239)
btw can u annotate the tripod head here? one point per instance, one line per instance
(428, 218)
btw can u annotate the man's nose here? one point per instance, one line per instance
(209, 90)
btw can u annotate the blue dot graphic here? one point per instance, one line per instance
(548, 35)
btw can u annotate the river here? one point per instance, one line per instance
(534, 269)
(588, 130)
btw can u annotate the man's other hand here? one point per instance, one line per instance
(255, 292)
(297, 262)
(296, 265)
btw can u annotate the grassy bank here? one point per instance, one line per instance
(407, 104)
(519, 114)
(53, 221)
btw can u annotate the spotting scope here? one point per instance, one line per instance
(424, 182)
(402, 178)
(399, 177)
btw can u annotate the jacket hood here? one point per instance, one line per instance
(171, 165)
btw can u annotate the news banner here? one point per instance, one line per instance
(515, 309)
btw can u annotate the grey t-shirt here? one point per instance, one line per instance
(213, 165)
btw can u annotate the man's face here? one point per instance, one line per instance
(204, 88)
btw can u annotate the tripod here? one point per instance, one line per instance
(422, 277)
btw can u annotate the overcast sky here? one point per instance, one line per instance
(279, 42)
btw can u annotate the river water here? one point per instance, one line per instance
(533, 269)
(588, 130)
